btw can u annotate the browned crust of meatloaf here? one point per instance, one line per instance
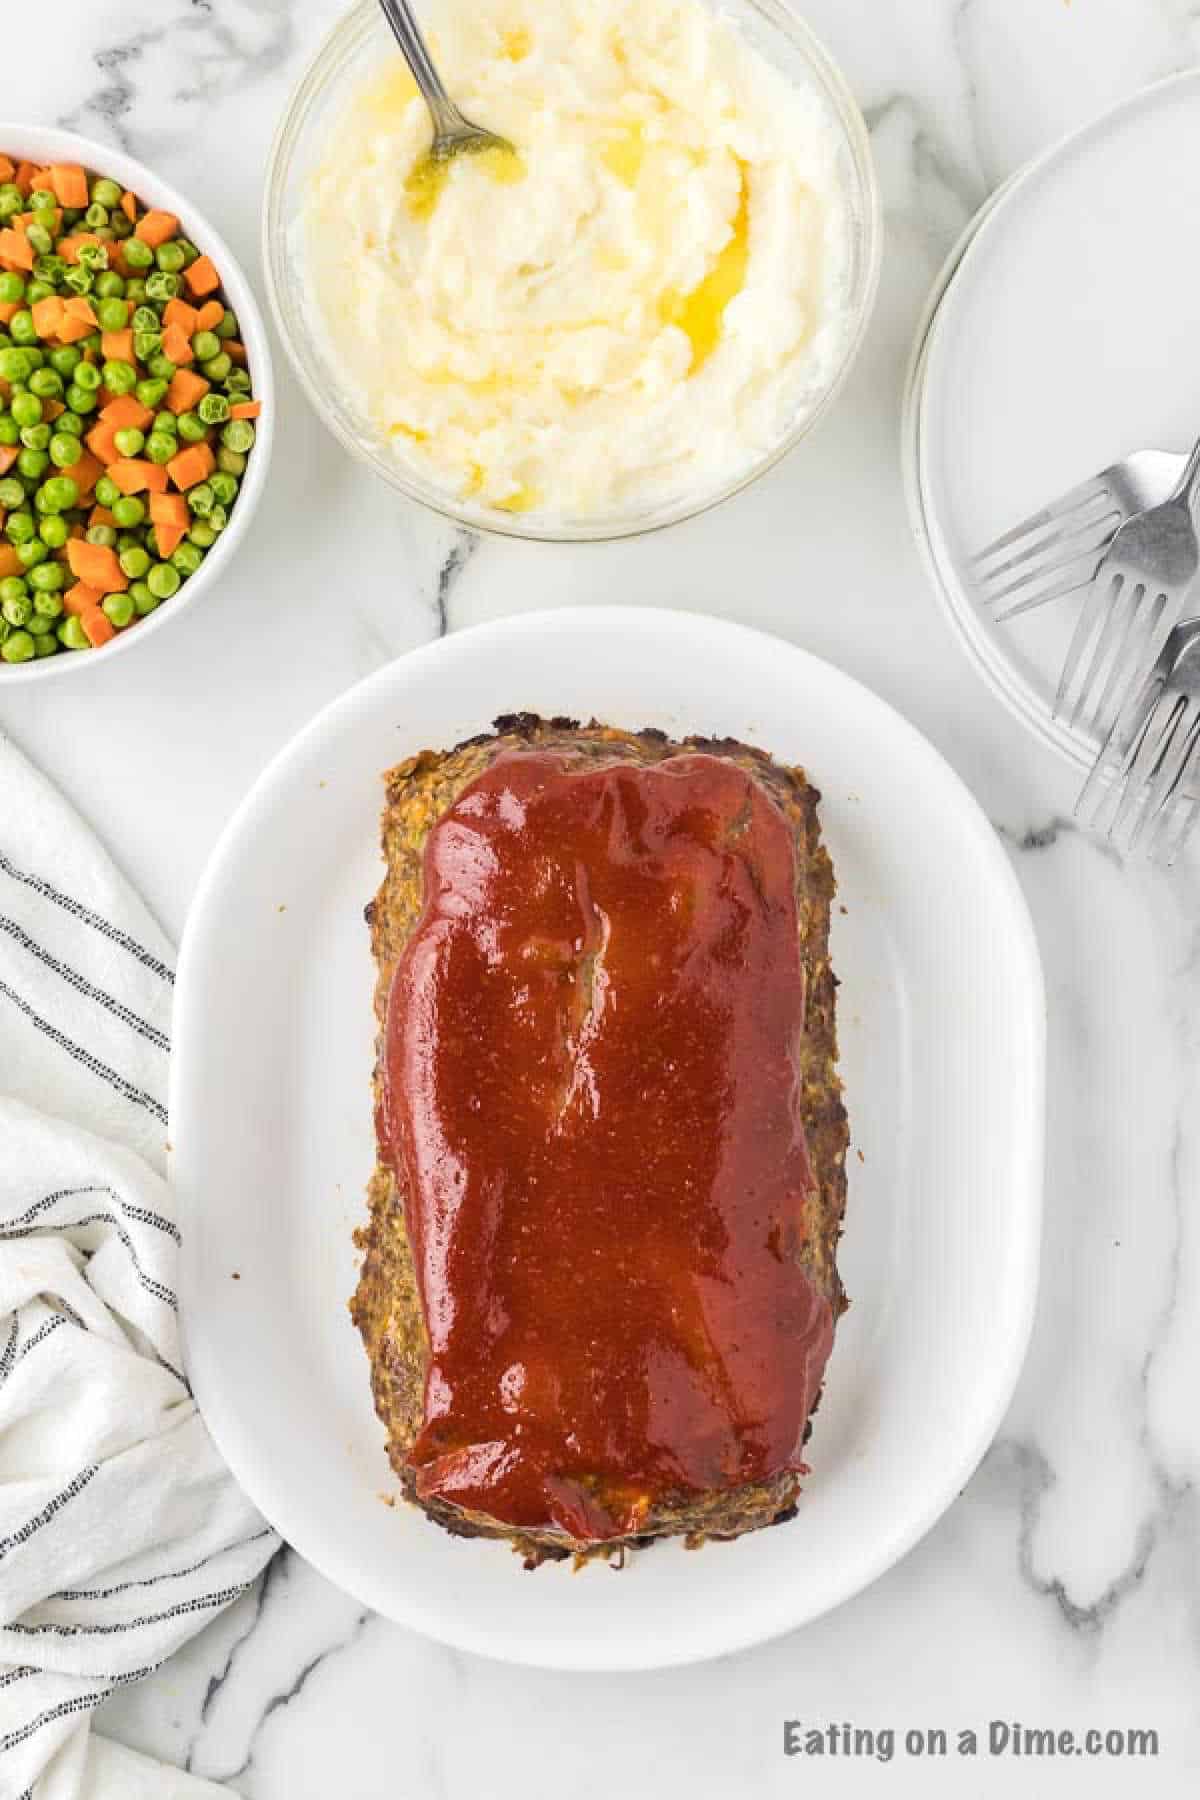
(386, 1308)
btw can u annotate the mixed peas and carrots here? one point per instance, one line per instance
(126, 410)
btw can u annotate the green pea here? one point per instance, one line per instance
(96, 216)
(12, 588)
(168, 422)
(47, 384)
(163, 581)
(144, 601)
(135, 289)
(16, 365)
(104, 535)
(146, 319)
(118, 608)
(161, 286)
(213, 409)
(18, 609)
(160, 448)
(187, 558)
(110, 286)
(65, 450)
(151, 394)
(21, 328)
(26, 409)
(113, 314)
(71, 424)
(224, 486)
(12, 201)
(54, 531)
(202, 535)
(190, 252)
(33, 464)
(128, 511)
(146, 344)
(36, 437)
(31, 553)
(135, 562)
(130, 441)
(120, 226)
(171, 257)
(12, 493)
(12, 288)
(79, 280)
(94, 257)
(218, 518)
(88, 376)
(217, 367)
(40, 626)
(230, 462)
(19, 527)
(106, 193)
(40, 239)
(161, 367)
(120, 377)
(107, 492)
(48, 272)
(66, 360)
(48, 602)
(228, 328)
(18, 648)
(43, 200)
(10, 431)
(201, 499)
(47, 578)
(71, 634)
(192, 428)
(206, 345)
(61, 493)
(81, 400)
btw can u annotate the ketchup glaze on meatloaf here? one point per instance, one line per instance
(591, 1102)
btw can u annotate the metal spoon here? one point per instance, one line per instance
(453, 133)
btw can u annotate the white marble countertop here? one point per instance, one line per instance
(1063, 1588)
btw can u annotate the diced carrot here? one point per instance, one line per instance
(117, 346)
(170, 509)
(73, 328)
(176, 345)
(186, 391)
(81, 598)
(10, 562)
(8, 309)
(202, 278)
(155, 227)
(47, 316)
(101, 440)
(24, 177)
(246, 409)
(193, 465)
(80, 307)
(16, 251)
(168, 538)
(8, 456)
(69, 184)
(51, 410)
(7, 168)
(210, 315)
(129, 206)
(237, 352)
(86, 473)
(97, 565)
(178, 312)
(127, 411)
(136, 476)
(100, 515)
(98, 626)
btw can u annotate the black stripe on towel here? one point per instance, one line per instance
(126, 1088)
(74, 1487)
(43, 1331)
(74, 979)
(142, 1214)
(78, 1704)
(181, 1610)
(123, 1587)
(112, 932)
(153, 1287)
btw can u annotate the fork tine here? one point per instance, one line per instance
(1081, 576)
(1166, 847)
(1152, 745)
(1178, 741)
(1081, 554)
(1035, 545)
(1086, 493)
(1097, 612)
(1126, 665)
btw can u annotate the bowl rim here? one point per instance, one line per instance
(353, 25)
(44, 141)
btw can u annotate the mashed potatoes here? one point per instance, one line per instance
(629, 312)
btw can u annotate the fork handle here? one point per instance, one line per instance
(1189, 482)
(409, 36)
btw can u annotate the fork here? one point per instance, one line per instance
(1146, 779)
(1059, 549)
(1135, 601)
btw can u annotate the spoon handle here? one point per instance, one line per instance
(400, 17)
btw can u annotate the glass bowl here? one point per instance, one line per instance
(360, 43)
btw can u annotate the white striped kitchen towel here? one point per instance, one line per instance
(121, 1531)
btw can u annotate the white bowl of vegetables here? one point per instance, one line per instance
(137, 403)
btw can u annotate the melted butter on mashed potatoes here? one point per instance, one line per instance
(627, 313)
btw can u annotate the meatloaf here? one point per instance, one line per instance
(599, 1285)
